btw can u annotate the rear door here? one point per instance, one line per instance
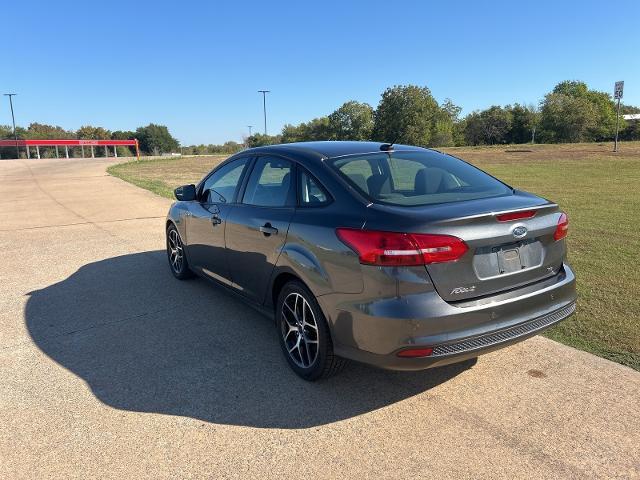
(257, 227)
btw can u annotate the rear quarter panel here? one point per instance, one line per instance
(315, 255)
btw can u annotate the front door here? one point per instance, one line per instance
(257, 227)
(208, 219)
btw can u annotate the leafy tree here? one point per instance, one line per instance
(292, 133)
(489, 126)
(444, 126)
(451, 109)
(124, 151)
(41, 131)
(88, 132)
(524, 120)
(572, 88)
(6, 131)
(605, 128)
(228, 147)
(565, 118)
(156, 139)
(352, 121)
(406, 114)
(591, 112)
(316, 129)
(260, 139)
(123, 135)
(458, 132)
(631, 130)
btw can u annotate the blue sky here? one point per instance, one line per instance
(196, 66)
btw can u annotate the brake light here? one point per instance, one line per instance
(415, 352)
(401, 249)
(507, 217)
(562, 229)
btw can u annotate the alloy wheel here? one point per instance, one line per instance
(299, 330)
(176, 253)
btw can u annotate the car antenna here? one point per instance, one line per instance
(388, 147)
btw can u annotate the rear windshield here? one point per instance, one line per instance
(417, 178)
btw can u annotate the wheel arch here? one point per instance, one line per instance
(279, 281)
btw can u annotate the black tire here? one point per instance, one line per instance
(302, 359)
(176, 255)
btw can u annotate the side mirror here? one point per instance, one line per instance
(185, 193)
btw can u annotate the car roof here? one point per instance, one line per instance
(327, 149)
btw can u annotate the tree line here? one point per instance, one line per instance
(408, 114)
(153, 139)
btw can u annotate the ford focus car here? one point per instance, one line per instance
(397, 256)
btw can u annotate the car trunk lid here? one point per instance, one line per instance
(502, 255)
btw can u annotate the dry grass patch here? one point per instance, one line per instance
(162, 176)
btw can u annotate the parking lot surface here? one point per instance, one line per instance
(111, 368)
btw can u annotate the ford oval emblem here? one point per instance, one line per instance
(519, 232)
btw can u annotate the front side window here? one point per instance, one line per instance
(270, 183)
(417, 178)
(222, 184)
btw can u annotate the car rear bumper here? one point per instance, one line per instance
(364, 331)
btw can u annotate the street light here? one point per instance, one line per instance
(264, 107)
(15, 135)
(249, 127)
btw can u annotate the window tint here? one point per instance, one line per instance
(311, 193)
(358, 170)
(417, 178)
(270, 183)
(224, 182)
(403, 173)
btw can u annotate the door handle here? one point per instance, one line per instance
(216, 220)
(268, 230)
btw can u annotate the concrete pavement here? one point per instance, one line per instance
(110, 368)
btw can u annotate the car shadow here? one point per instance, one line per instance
(146, 342)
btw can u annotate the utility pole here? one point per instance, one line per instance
(15, 135)
(249, 127)
(264, 107)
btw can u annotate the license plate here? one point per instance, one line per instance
(509, 260)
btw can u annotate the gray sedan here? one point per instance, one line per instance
(397, 256)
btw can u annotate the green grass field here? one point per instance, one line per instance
(598, 189)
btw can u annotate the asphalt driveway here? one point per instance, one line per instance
(110, 368)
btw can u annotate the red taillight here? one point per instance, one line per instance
(507, 217)
(562, 229)
(415, 352)
(439, 248)
(401, 249)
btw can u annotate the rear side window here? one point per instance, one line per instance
(311, 193)
(417, 178)
(270, 183)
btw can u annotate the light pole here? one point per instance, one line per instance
(15, 135)
(249, 127)
(264, 107)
